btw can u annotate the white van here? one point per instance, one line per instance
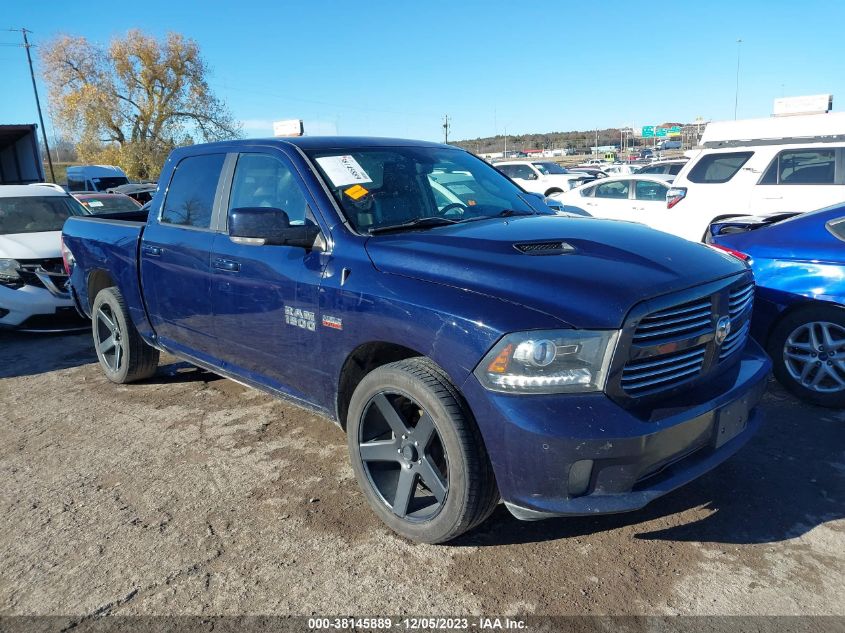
(95, 177)
(758, 166)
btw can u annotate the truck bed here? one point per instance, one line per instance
(106, 252)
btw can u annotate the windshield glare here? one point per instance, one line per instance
(389, 186)
(34, 214)
(550, 168)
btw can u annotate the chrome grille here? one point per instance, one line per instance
(686, 320)
(735, 341)
(657, 373)
(741, 298)
(741, 301)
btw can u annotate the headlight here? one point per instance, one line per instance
(9, 270)
(549, 361)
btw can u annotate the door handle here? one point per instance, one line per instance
(227, 264)
(773, 198)
(152, 251)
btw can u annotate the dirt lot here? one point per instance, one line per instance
(191, 494)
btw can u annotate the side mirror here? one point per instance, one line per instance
(531, 176)
(267, 225)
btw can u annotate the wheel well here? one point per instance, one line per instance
(98, 280)
(787, 312)
(553, 190)
(364, 359)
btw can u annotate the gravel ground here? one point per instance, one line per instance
(190, 494)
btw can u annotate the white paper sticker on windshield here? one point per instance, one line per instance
(95, 203)
(343, 170)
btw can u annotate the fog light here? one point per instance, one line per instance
(579, 477)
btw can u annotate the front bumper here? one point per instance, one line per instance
(33, 308)
(558, 455)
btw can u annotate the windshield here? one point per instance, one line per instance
(550, 168)
(388, 186)
(35, 214)
(101, 184)
(109, 204)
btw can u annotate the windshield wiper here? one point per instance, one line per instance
(419, 223)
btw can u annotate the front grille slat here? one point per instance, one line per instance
(678, 326)
(702, 313)
(639, 377)
(688, 319)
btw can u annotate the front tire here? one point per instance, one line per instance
(417, 454)
(123, 354)
(808, 353)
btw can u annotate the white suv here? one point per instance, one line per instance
(32, 275)
(545, 177)
(791, 164)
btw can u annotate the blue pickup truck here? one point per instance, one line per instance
(473, 346)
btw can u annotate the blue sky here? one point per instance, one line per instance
(395, 68)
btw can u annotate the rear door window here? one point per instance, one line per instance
(518, 171)
(616, 189)
(190, 196)
(648, 190)
(718, 168)
(802, 167)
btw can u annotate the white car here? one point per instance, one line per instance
(635, 198)
(545, 177)
(760, 167)
(32, 274)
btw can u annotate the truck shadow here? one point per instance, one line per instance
(25, 354)
(789, 479)
(180, 372)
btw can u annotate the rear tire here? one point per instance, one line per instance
(417, 454)
(123, 354)
(808, 354)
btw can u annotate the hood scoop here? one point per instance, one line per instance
(558, 247)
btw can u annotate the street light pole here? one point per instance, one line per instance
(736, 94)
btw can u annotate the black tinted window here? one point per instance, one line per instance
(190, 197)
(802, 167)
(716, 168)
(264, 181)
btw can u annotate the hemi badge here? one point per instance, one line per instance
(334, 323)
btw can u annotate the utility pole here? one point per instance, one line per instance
(736, 94)
(27, 46)
(445, 128)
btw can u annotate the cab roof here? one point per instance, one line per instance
(332, 142)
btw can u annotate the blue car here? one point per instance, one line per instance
(799, 316)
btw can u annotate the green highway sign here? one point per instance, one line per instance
(650, 131)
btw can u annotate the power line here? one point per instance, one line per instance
(27, 46)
